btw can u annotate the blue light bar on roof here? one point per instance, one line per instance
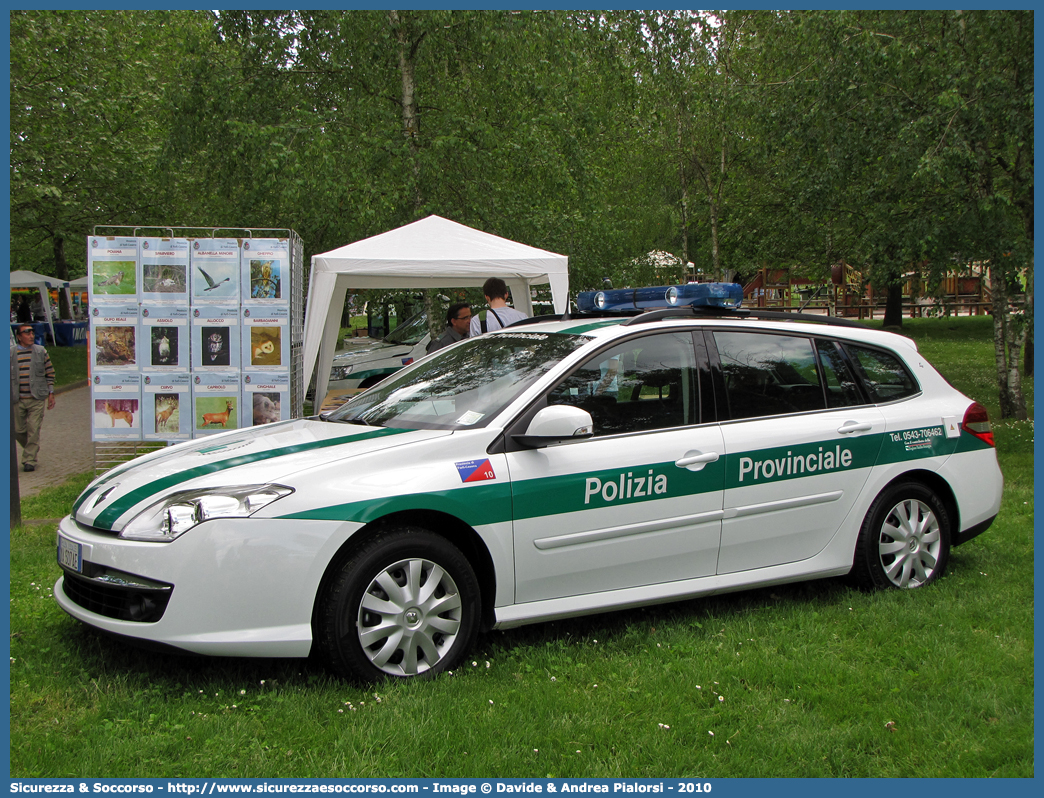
(722, 295)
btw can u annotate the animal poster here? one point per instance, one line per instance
(215, 271)
(164, 270)
(266, 337)
(112, 269)
(116, 406)
(266, 398)
(163, 341)
(265, 270)
(215, 402)
(215, 337)
(114, 331)
(166, 406)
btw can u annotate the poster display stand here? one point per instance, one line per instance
(185, 315)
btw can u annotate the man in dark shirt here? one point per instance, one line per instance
(458, 321)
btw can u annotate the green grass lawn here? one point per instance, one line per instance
(70, 364)
(812, 679)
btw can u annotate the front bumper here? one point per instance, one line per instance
(231, 587)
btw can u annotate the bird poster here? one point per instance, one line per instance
(164, 341)
(164, 270)
(215, 271)
(112, 269)
(114, 337)
(215, 337)
(266, 337)
(265, 270)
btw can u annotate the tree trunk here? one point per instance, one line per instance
(1016, 339)
(894, 299)
(410, 118)
(1001, 323)
(61, 271)
(684, 209)
(411, 130)
(1027, 368)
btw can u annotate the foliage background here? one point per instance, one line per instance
(731, 139)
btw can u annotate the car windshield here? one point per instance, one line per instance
(410, 331)
(461, 387)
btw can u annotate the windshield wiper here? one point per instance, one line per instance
(353, 420)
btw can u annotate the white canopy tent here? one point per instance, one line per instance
(28, 279)
(430, 253)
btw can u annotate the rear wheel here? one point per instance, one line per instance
(905, 539)
(406, 604)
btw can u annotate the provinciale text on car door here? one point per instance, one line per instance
(801, 441)
(639, 503)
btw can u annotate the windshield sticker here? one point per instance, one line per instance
(469, 418)
(475, 470)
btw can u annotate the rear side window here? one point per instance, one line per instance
(841, 388)
(768, 375)
(885, 376)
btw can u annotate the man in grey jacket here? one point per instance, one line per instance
(32, 388)
(458, 319)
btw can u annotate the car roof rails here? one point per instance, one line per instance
(574, 315)
(689, 312)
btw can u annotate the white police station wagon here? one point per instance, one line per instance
(559, 467)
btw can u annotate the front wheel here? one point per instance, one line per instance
(406, 604)
(905, 539)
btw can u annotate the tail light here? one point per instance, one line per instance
(977, 422)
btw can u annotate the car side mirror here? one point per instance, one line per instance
(556, 424)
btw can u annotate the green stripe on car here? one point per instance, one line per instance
(108, 517)
(587, 490)
(473, 504)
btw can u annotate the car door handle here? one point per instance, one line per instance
(855, 426)
(698, 459)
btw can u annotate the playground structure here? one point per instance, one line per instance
(849, 294)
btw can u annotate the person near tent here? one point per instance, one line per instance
(458, 326)
(23, 313)
(500, 314)
(32, 388)
(38, 310)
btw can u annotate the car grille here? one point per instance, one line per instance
(124, 603)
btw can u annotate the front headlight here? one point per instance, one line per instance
(340, 372)
(178, 513)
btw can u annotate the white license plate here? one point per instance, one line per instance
(70, 554)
